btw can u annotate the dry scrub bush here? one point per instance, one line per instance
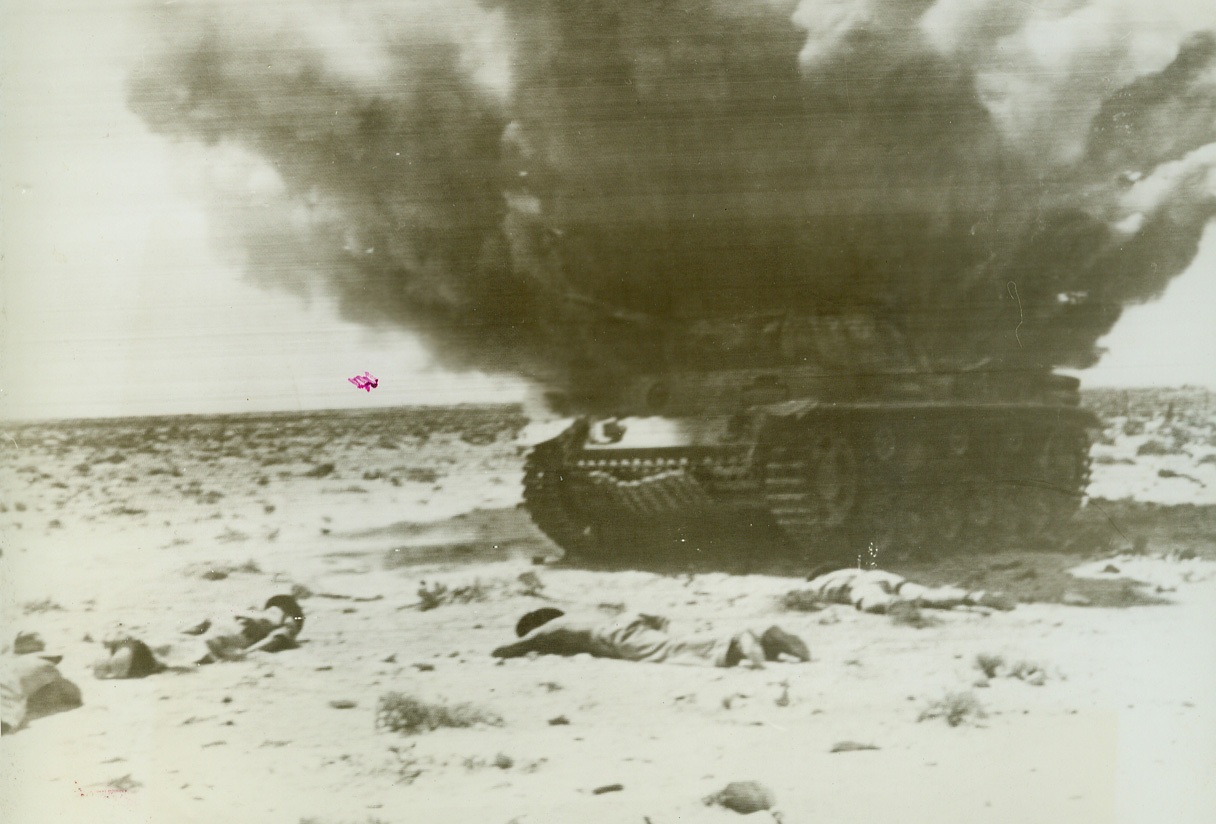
(989, 664)
(438, 594)
(409, 715)
(38, 607)
(955, 707)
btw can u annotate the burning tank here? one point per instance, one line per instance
(827, 426)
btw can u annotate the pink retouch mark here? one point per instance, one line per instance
(367, 381)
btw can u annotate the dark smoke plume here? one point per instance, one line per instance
(488, 174)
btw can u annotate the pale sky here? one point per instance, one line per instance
(116, 301)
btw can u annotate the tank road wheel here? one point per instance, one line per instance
(948, 520)
(1036, 517)
(982, 512)
(958, 443)
(884, 444)
(879, 525)
(833, 481)
(918, 537)
(1062, 462)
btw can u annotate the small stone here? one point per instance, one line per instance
(1110, 568)
(851, 746)
(744, 797)
(559, 721)
(608, 788)
(392, 659)
(421, 667)
(343, 704)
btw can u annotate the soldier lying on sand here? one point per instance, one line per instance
(273, 628)
(872, 590)
(549, 631)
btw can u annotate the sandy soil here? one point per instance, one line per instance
(147, 526)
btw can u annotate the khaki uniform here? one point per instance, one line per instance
(31, 687)
(637, 638)
(873, 590)
(229, 637)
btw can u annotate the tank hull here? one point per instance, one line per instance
(870, 477)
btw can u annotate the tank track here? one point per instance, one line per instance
(861, 485)
(547, 491)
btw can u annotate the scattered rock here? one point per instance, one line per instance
(1110, 568)
(531, 584)
(1075, 599)
(608, 788)
(214, 575)
(1169, 473)
(319, 471)
(421, 667)
(503, 761)
(744, 797)
(343, 704)
(1153, 447)
(392, 659)
(559, 721)
(728, 702)
(851, 746)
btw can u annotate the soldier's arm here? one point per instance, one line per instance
(517, 650)
(276, 641)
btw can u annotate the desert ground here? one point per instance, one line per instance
(401, 534)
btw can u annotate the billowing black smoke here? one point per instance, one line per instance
(463, 170)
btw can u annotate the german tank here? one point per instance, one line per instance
(827, 427)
